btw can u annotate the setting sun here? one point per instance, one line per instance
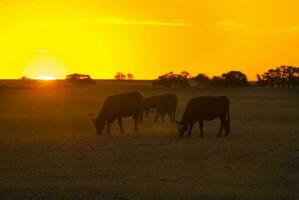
(45, 67)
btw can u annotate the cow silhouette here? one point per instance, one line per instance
(161, 105)
(149, 105)
(117, 107)
(205, 108)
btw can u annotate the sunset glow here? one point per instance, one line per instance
(147, 39)
(46, 78)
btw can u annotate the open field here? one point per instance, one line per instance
(49, 149)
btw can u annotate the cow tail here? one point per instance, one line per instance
(228, 121)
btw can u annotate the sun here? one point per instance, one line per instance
(45, 67)
(46, 78)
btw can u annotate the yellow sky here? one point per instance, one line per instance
(146, 38)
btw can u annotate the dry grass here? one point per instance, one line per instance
(49, 149)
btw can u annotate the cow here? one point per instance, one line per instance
(150, 104)
(117, 107)
(167, 104)
(205, 108)
(162, 104)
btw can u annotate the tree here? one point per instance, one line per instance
(24, 78)
(283, 76)
(120, 76)
(235, 79)
(260, 81)
(172, 80)
(217, 81)
(80, 79)
(185, 74)
(130, 76)
(202, 79)
(293, 76)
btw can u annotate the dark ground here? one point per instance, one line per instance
(49, 149)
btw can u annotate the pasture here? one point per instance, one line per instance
(49, 148)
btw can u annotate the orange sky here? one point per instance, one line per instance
(147, 38)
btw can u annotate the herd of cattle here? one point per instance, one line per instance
(200, 109)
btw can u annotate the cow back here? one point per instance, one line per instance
(121, 105)
(206, 108)
(167, 103)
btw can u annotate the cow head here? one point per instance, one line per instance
(182, 128)
(99, 125)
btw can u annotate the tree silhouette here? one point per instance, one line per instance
(260, 81)
(130, 76)
(80, 79)
(171, 80)
(283, 76)
(24, 78)
(217, 81)
(185, 74)
(235, 79)
(202, 79)
(293, 76)
(120, 76)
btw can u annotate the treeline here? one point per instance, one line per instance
(172, 80)
(230, 79)
(86, 79)
(283, 76)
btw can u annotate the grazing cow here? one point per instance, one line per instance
(117, 107)
(167, 104)
(205, 108)
(162, 104)
(149, 104)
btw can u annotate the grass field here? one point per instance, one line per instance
(49, 149)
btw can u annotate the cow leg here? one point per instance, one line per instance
(157, 117)
(190, 128)
(222, 124)
(120, 123)
(201, 128)
(108, 127)
(173, 115)
(135, 117)
(170, 116)
(147, 113)
(163, 117)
